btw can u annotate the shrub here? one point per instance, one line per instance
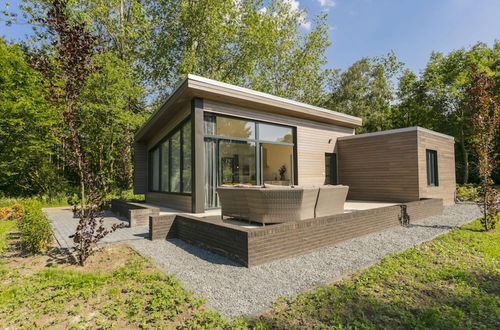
(14, 212)
(467, 192)
(5, 213)
(34, 227)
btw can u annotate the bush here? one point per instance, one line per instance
(36, 233)
(14, 212)
(467, 192)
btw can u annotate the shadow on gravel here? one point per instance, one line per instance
(445, 227)
(203, 254)
(433, 226)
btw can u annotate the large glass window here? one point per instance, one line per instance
(165, 166)
(155, 158)
(241, 151)
(171, 162)
(237, 162)
(275, 133)
(277, 160)
(175, 160)
(230, 127)
(186, 158)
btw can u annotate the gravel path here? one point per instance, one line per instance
(234, 290)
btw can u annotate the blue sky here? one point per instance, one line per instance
(411, 28)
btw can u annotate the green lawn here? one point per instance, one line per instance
(6, 226)
(451, 282)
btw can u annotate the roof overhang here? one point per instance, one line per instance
(396, 131)
(196, 86)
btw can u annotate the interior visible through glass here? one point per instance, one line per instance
(277, 162)
(237, 162)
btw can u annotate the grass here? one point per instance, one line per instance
(116, 289)
(6, 226)
(44, 201)
(451, 282)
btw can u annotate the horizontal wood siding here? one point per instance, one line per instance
(380, 167)
(174, 201)
(314, 139)
(445, 148)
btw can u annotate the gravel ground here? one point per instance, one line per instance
(234, 290)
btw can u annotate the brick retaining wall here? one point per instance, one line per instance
(137, 214)
(256, 246)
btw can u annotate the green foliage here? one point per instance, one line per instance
(437, 99)
(467, 192)
(247, 44)
(34, 227)
(449, 283)
(26, 141)
(365, 90)
(110, 114)
(6, 226)
(43, 200)
(134, 295)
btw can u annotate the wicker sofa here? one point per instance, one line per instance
(277, 204)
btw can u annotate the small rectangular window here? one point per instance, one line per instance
(331, 168)
(432, 168)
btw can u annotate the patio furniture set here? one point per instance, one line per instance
(278, 204)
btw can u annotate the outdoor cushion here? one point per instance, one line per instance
(331, 199)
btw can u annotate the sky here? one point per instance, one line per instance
(367, 28)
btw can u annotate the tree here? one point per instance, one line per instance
(365, 90)
(26, 129)
(411, 108)
(110, 112)
(486, 121)
(442, 85)
(67, 72)
(238, 42)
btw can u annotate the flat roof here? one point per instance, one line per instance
(397, 130)
(196, 86)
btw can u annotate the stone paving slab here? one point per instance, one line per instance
(64, 224)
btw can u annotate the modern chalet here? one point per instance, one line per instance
(210, 133)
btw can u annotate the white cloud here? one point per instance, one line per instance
(295, 6)
(327, 3)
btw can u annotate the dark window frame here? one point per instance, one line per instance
(432, 167)
(167, 137)
(257, 141)
(331, 173)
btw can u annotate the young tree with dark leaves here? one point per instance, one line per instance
(67, 74)
(485, 123)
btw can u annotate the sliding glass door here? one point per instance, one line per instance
(240, 151)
